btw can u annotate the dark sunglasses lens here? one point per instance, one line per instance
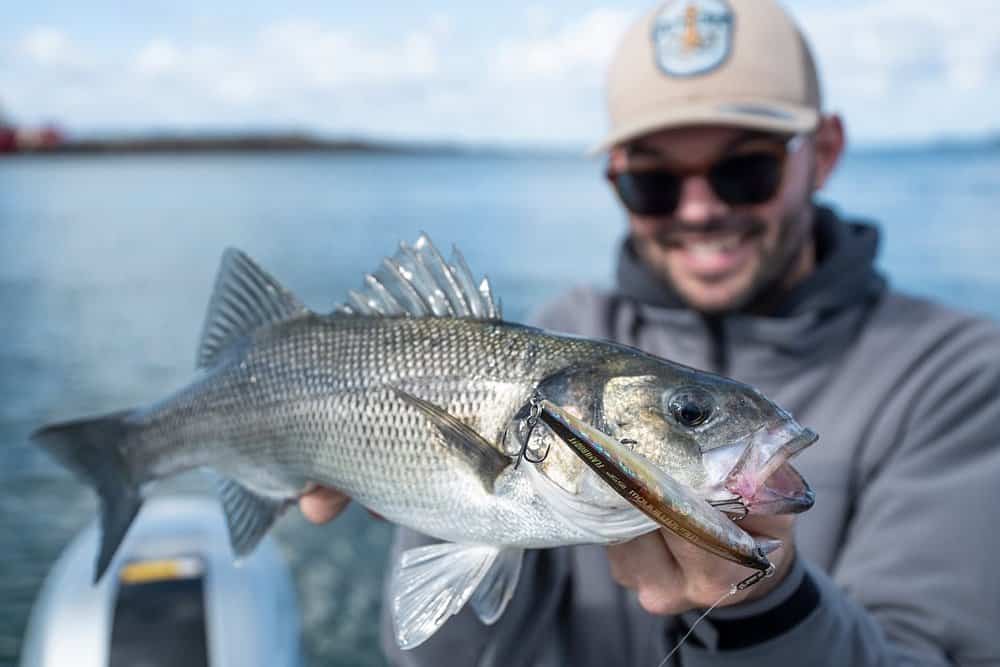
(753, 178)
(651, 193)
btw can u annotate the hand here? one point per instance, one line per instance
(672, 576)
(322, 504)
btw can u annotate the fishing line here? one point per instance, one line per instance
(729, 593)
(733, 590)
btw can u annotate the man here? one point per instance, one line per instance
(717, 147)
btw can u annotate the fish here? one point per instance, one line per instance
(417, 399)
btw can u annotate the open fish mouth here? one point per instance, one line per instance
(762, 481)
(784, 492)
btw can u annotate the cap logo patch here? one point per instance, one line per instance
(692, 36)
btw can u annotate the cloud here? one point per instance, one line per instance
(319, 56)
(909, 70)
(441, 25)
(898, 69)
(157, 57)
(284, 60)
(49, 47)
(578, 49)
(299, 72)
(545, 86)
(288, 73)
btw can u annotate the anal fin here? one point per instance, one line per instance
(430, 584)
(248, 515)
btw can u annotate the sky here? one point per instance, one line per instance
(523, 72)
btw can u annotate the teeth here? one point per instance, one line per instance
(714, 246)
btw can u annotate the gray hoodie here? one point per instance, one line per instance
(895, 561)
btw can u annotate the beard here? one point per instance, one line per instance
(778, 262)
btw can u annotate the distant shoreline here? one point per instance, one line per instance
(230, 144)
(179, 144)
(205, 144)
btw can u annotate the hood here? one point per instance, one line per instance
(845, 273)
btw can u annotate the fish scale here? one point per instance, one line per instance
(429, 416)
(315, 403)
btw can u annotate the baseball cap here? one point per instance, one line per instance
(740, 63)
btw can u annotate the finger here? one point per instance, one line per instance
(698, 563)
(706, 577)
(646, 566)
(322, 504)
(643, 558)
(777, 527)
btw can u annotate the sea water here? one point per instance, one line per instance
(107, 263)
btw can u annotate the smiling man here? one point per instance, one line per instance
(722, 214)
(718, 146)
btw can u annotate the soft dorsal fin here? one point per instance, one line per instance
(417, 281)
(245, 298)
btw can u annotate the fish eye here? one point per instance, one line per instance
(691, 406)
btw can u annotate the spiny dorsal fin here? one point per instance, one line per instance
(417, 281)
(245, 298)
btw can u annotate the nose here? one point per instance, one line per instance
(698, 203)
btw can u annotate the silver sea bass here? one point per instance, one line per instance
(419, 401)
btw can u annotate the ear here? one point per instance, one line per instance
(617, 160)
(829, 145)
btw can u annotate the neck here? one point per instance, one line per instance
(799, 264)
(803, 261)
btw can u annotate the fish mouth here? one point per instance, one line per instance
(784, 492)
(762, 481)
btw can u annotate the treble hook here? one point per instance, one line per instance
(535, 411)
(728, 503)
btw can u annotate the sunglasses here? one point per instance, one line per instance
(750, 176)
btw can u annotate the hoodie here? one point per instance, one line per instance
(894, 562)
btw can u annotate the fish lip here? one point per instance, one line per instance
(805, 438)
(799, 505)
(769, 501)
(769, 450)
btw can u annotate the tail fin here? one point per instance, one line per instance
(91, 448)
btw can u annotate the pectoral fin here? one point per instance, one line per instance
(430, 584)
(497, 587)
(460, 438)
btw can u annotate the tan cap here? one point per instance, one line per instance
(740, 63)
